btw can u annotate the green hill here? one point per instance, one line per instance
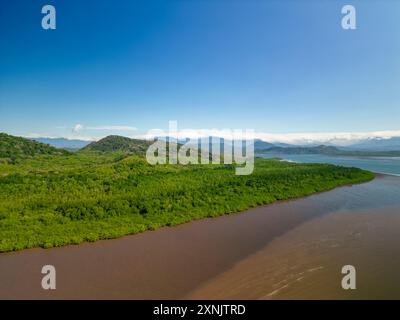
(13, 148)
(118, 143)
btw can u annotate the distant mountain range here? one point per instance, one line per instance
(366, 147)
(329, 150)
(63, 143)
(214, 142)
(392, 144)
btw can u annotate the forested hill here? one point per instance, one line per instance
(119, 143)
(12, 148)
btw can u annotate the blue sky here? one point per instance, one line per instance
(272, 66)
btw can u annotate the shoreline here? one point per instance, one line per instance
(376, 175)
(168, 263)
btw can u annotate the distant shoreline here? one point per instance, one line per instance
(374, 164)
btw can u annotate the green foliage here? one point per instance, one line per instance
(51, 200)
(118, 143)
(13, 149)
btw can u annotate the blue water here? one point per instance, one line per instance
(388, 165)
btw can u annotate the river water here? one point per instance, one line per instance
(358, 226)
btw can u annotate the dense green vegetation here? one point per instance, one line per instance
(118, 143)
(14, 148)
(49, 200)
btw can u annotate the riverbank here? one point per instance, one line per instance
(55, 201)
(181, 262)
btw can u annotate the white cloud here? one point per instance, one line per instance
(78, 132)
(112, 128)
(336, 138)
(79, 127)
